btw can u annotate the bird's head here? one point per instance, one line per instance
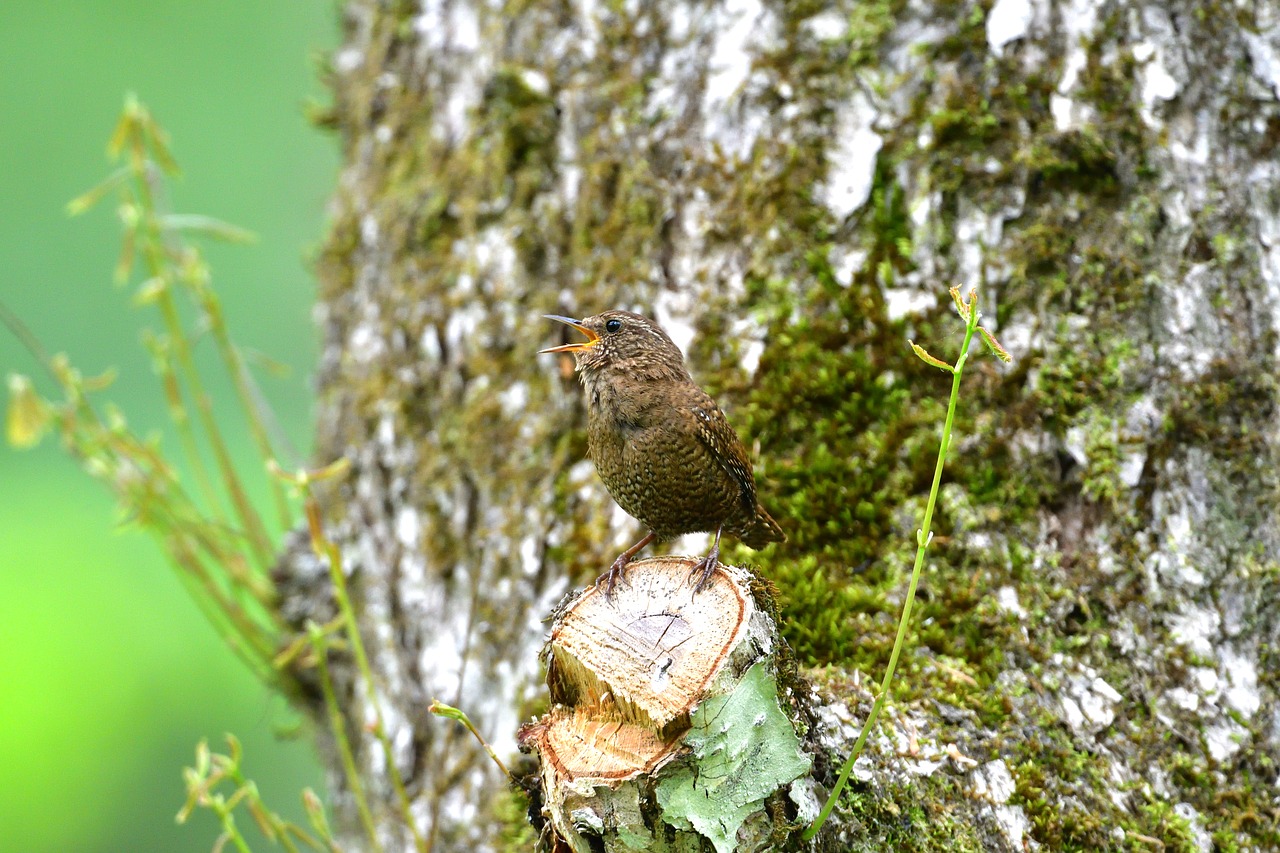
(623, 342)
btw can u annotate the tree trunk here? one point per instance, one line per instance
(790, 188)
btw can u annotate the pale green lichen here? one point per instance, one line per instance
(743, 750)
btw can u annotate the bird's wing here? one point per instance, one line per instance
(717, 435)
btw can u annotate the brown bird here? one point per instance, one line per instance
(661, 445)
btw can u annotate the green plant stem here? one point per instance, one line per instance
(315, 813)
(156, 253)
(230, 831)
(240, 377)
(222, 552)
(338, 724)
(348, 612)
(157, 501)
(923, 536)
(251, 632)
(211, 771)
(254, 529)
(181, 419)
(442, 710)
(29, 340)
(246, 643)
(155, 265)
(174, 511)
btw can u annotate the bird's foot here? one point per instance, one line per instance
(619, 567)
(616, 572)
(706, 566)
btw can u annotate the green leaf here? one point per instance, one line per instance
(994, 345)
(929, 359)
(90, 197)
(195, 223)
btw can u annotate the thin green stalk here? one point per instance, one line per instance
(251, 632)
(212, 770)
(315, 813)
(157, 499)
(969, 312)
(330, 550)
(222, 551)
(339, 726)
(164, 500)
(181, 420)
(229, 829)
(156, 253)
(141, 480)
(171, 505)
(29, 340)
(138, 166)
(440, 709)
(240, 377)
(249, 517)
(222, 625)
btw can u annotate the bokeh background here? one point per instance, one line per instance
(109, 676)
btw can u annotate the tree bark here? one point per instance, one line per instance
(790, 188)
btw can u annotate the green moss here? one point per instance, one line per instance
(511, 811)
(1074, 161)
(1063, 790)
(1101, 479)
(912, 817)
(1236, 799)
(963, 125)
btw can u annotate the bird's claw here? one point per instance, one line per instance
(707, 566)
(616, 572)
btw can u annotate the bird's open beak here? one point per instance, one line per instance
(592, 337)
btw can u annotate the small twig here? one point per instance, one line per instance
(28, 340)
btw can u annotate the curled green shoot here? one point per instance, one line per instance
(451, 713)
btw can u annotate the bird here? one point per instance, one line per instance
(662, 446)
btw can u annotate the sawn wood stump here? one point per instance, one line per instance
(668, 728)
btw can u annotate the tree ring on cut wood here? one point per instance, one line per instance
(577, 746)
(654, 648)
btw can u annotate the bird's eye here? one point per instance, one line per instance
(613, 325)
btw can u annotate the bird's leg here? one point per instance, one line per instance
(619, 567)
(708, 563)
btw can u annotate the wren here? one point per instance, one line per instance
(661, 445)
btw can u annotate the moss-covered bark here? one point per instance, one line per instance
(790, 188)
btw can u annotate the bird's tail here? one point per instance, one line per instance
(761, 530)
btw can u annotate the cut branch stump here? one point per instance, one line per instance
(668, 728)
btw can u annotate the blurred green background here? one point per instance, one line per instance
(108, 674)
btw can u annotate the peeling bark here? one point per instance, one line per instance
(789, 188)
